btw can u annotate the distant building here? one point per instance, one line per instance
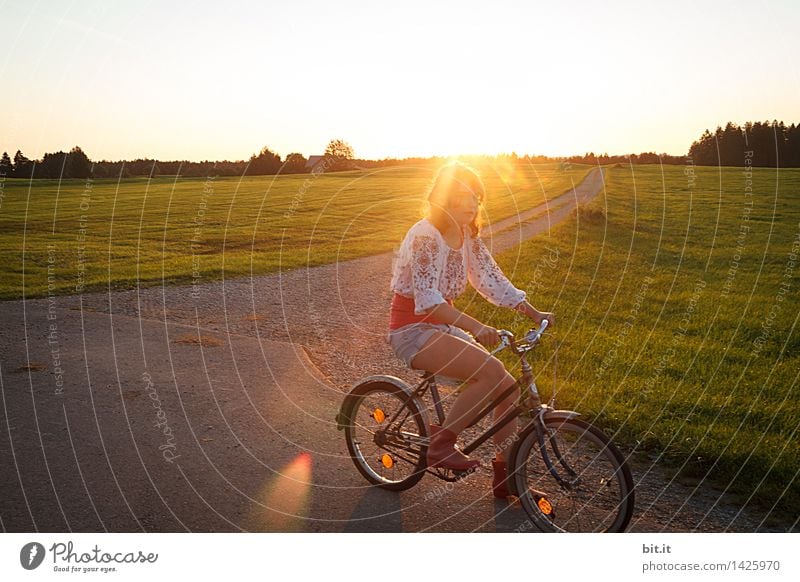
(328, 163)
(313, 162)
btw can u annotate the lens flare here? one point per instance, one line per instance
(285, 498)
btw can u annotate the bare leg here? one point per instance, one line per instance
(486, 376)
(503, 438)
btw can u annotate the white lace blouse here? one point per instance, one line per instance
(428, 270)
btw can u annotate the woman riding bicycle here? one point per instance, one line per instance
(439, 254)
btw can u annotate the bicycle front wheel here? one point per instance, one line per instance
(386, 435)
(596, 491)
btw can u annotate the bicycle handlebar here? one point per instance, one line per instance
(532, 337)
(543, 326)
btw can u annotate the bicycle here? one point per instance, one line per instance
(566, 473)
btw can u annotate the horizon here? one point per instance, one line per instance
(37, 159)
(130, 82)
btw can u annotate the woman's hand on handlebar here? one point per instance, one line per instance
(542, 315)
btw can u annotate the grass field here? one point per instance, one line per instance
(677, 302)
(103, 234)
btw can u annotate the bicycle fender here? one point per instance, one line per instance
(561, 414)
(382, 379)
(342, 418)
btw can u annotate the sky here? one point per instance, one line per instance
(212, 80)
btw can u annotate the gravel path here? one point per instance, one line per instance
(335, 316)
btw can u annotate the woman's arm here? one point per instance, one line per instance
(488, 279)
(485, 334)
(486, 276)
(538, 316)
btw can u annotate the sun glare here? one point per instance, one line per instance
(285, 498)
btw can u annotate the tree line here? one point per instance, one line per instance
(763, 144)
(72, 164)
(76, 164)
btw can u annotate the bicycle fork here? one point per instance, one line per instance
(551, 467)
(545, 410)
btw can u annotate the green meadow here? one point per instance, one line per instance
(104, 234)
(676, 296)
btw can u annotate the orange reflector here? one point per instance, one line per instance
(378, 415)
(545, 506)
(387, 461)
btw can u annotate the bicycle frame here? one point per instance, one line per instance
(429, 384)
(528, 402)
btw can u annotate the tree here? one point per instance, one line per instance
(5, 165)
(23, 167)
(731, 145)
(704, 151)
(266, 162)
(340, 154)
(294, 164)
(78, 164)
(53, 166)
(793, 145)
(339, 148)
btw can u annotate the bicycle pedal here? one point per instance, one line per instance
(443, 474)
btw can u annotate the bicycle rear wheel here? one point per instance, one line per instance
(386, 435)
(598, 492)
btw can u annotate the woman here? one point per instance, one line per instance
(439, 254)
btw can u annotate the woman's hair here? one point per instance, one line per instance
(450, 176)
